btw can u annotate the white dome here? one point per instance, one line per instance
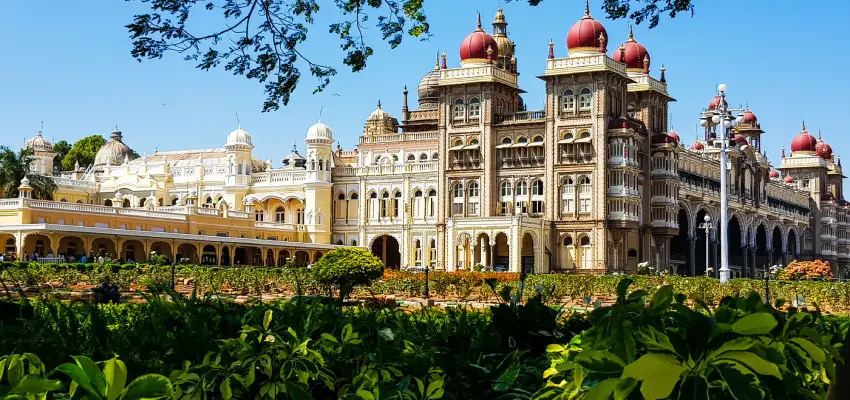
(320, 131)
(114, 152)
(239, 137)
(38, 143)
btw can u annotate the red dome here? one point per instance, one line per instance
(774, 174)
(804, 142)
(674, 135)
(789, 179)
(475, 46)
(823, 150)
(635, 54)
(749, 116)
(697, 146)
(585, 35)
(715, 102)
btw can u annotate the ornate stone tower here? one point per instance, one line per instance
(318, 197)
(42, 153)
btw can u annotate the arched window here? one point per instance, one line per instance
(459, 109)
(353, 196)
(568, 199)
(537, 188)
(506, 189)
(457, 203)
(473, 142)
(568, 100)
(396, 204)
(174, 201)
(417, 255)
(537, 197)
(585, 99)
(411, 158)
(418, 204)
(522, 188)
(568, 241)
(435, 157)
(280, 215)
(432, 203)
(385, 204)
(585, 241)
(473, 189)
(474, 108)
(584, 194)
(417, 193)
(258, 215)
(423, 157)
(208, 202)
(432, 252)
(473, 192)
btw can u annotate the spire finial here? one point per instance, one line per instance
(603, 43)
(294, 148)
(479, 21)
(663, 70)
(321, 108)
(41, 128)
(551, 49)
(804, 125)
(631, 33)
(379, 104)
(587, 8)
(444, 60)
(820, 138)
(437, 62)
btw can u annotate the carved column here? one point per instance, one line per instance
(745, 260)
(713, 261)
(752, 271)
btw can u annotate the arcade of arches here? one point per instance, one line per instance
(52, 247)
(753, 248)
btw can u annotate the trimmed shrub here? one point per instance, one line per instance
(346, 268)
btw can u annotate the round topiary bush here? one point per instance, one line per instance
(345, 268)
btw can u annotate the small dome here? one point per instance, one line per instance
(379, 115)
(788, 179)
(774, 174)
(293, 159)
(636, 56)
(38, 143)
(697, 146)
(476, 46)
(587, 35)
(804, 142)
(823, 149)
(749, 117)
(238, 137)
(716, 102)
(114, 152)
(740, 139)
(504, 45)
(674, 135)
(429, 90)
(320, 131)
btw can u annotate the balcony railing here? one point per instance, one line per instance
(522, 116)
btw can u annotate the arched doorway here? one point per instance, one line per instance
(187, 253)
(680, 246)
(502, 253)
(282, 257)
(527, 253)
(792, 245)
(208, 256)
(164, 249)
(225, 256)
(702, 253)
(71, 246)
(10, 247)
(482, 250)
(736, 257)
(103, 247)
(125, 203)
(301, 258)
(107, 203)
(269, 258)
(776, 243)
(37, 244)
(761, 250)
(133, 251)
(386, 248)
(568, 252)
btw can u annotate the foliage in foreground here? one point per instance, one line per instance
(347, 267)
(636, 348)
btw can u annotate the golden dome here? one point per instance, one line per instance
(504, 46)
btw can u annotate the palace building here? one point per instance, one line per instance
(594, 182)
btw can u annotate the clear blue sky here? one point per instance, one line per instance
(67, 63)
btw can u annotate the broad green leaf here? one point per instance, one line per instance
(623, 287)
(297, 392)
(404, 383)
(603, 390)
(815, 352)
(34, 384)
(115, 373)
(755, 324)
(329, 337)
(600, 361)
(637, 295)
(386, 334)
(625, 388)
(94, 374)
(224, 387)
(737, 344)
(659, 373)
(507, 379)
(740, 382)
(267, 319)
(754, 362)
(79, 377)
(655, 340)
(662, 299)
(365, 395)
(555, 348)
(147, 387)
(433, 388)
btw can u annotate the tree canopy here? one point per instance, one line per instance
(83, 151)
(263, 39)
(61, 148)
(14, 167)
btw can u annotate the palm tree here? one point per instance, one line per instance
(13, 168)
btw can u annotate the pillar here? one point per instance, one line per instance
(753, 266)
(481, 245)
(746, 260)
(264, 253)
(384, 249)
(715, 265)
(692, 258)
(19, 245)
(492, 259)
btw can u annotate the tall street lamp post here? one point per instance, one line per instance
(721, 115)
(707, 226)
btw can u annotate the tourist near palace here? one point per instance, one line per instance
(594, 182)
